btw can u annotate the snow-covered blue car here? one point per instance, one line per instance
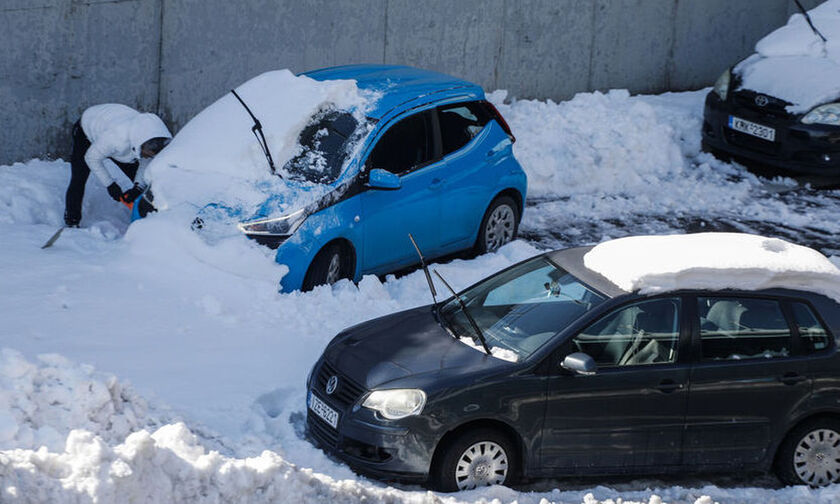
(432, 158)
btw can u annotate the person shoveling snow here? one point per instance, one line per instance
(117, 133)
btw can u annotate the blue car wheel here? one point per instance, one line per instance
(499, 225)
(332, 263)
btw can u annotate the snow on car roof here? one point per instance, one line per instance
(715, 261)
(792, 62)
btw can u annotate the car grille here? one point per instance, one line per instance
(345, 394)
(751, 142)
(321, 431)
(774, 107)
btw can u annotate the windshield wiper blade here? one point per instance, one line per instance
(810, 23)
(475, 327)
(431, 284)
(258, 132)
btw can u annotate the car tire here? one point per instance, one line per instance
(499, 225)
(810, 454)
(331, 264)
(476, 458)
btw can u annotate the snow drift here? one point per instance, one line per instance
(215, 157)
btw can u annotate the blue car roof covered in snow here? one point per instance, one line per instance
(400, 85)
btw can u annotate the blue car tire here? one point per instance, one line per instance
(332, 263)
(499, 225)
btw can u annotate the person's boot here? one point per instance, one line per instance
(72, 220)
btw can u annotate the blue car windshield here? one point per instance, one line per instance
(324, 145)
(522, 308)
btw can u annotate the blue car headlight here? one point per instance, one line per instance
(285, 225)
(824, 114)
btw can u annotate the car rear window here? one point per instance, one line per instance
(812, 334)
(460, 123)
(743, 328)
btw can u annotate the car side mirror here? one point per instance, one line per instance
(383, 179)
(580, 363)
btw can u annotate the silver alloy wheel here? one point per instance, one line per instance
(816, 458)
(334, 269)
(483, 464)
(499, 228)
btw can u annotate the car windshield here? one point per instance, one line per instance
(522, 308)
(324, 145)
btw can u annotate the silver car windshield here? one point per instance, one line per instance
(522, 308)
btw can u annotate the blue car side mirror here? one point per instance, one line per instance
(383, 179)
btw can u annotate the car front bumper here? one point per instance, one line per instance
(392, 451)
(798, 148)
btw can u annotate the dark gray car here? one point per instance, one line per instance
(584, 378)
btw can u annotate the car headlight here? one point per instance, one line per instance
(824, 114)
(396, 403)
(283, 225)
(722, 84)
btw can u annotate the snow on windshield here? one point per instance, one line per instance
(716, 261)
(216, 159)
(792, 62)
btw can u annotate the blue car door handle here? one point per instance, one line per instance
(436, 183)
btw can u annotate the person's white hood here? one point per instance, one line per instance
(143, 128)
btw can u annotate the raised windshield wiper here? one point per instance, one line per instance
(475, 327)
(431, 285)
(810, 23)
(258, 132)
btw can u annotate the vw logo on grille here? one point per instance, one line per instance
(761, 100)
(332, 384)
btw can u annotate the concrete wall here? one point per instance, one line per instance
(177, 56)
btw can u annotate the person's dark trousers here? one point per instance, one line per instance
(79, 174)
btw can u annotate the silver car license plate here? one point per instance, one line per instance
(751, 128)
(323, 411)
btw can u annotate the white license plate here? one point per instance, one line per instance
(751, 128)
(323, 411)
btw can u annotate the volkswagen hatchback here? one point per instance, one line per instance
(549, 368)
(430, 157)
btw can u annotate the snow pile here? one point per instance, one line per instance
(717, 261)
(594, 143)
(215, 157)
(40, 403)
(793, 63)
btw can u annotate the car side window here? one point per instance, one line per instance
(460, 123)
(742, 328)
(812, 334)
(406, 145)
(642, 333)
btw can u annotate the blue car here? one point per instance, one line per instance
(436, 161)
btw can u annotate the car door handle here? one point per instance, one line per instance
(436, 184)
(668, 386)
(792, 378)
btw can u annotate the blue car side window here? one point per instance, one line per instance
(405, 146)
(460, 123)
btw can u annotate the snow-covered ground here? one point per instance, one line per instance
(142, 364)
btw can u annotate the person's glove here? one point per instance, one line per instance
(115, 191)
(132, 194)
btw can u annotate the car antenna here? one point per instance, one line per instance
(426, 271)
(258, 132)
(810, 23)
(467, 313)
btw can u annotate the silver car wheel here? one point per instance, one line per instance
(483, 464)
(499, 228)
(334, 269)
(816, 458)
